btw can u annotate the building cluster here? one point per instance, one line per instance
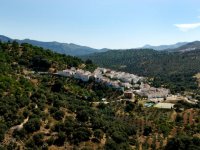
(76, 73)
(153, 94)
(123, 76)
(119, 79)
(108, 77)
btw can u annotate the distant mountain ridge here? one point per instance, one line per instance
(63, 48)
(78, 50)
(4, 38)
(188, 47)
(165, 47)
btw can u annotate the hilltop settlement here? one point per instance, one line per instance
(131, 85)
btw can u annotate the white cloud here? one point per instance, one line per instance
(187, 27)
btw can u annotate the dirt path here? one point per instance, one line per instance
(19, 127)
(8, 136)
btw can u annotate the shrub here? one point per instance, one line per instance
(32, 125)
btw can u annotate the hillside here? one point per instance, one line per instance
(63, 48)
(39, 110)
(49, 109)
(188, 47)
(174, 70)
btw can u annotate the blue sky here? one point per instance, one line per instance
(102, 23)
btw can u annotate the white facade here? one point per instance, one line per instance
(65, 73)
(82, 75)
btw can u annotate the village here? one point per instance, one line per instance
(131, 85)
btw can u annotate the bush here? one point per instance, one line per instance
(129, 107)
(38, 63)
(20, 134)
(32, 125)
(3, 129)
(58, 115)
(82, 116)
(81, 134)
(119, 137)
(110, 145)
(58, 85)
(164, 129)
(38, 139)
(61, 139)
(183, 142)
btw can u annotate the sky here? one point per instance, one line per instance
(113, 24)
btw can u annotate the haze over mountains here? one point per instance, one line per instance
(78, 50)
(165, 47)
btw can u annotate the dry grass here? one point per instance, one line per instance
(197, 76)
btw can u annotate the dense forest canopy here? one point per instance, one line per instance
(173, 69)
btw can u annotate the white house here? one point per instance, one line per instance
(82, 75)
(66, 73)
(126, 85)
(85, 77)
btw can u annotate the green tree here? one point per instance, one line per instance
(3, 129)
(183, 143)
(32, 125)
(119, 137)
(61, 139)
(81, 134)
(82, 116)
(57, 87)
(58, 115)
(38, 63)
(38, 139)
(15, 44)
(88, 61)
(111, 145)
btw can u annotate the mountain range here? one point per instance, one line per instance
(63, 48)
(165, 47)
(78, 50)
(188, 47)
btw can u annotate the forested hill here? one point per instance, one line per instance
(176, 68)
(40, 110)
(149, 62)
